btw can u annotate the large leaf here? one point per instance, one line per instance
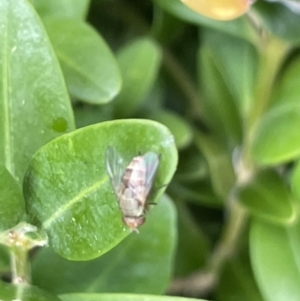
(12, 205)
(133, 266)
(276, 261)
(277, 139)
(68, 191)
(90, 68)
(139, 64)
(76, 9)
(122, 297)
(239, 27)
(10, 292)
(267, 196)
(34, 104)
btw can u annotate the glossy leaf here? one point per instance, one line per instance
(280, 20)
(277, 138)
(139, 63)
(67, 9)
(34, 104)
(179, 127)
(275, 261)
(267, 196)
(239, 27)
(122, 297)
(90, 68)
(133, 266)
(12, 205)
(25, 293)
(68, 191)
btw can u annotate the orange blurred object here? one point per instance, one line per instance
(219, 9)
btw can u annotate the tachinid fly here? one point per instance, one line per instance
(132, 184)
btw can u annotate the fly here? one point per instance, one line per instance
(132, 184)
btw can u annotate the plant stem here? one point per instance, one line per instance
(20, 266)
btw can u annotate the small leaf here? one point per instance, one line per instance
(267, 196)
(90, 69)
(122, 297)
(12, 205)
(68, 191)
(277, 139)
(178, 126)
(34, 104)
(133, 266)
(67, 9)
(10, 292)
(139, 63)
(275, 261)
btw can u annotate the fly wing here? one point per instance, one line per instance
(151, 160)
(115, 167)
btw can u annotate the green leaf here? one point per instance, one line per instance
(237, 280)
(287, 87)
(275, 261)
(34, 104)
(4, 260)
(122, 297)
(295, 180)
(67, 9)
(276, 139)
(267, 196)
(239, 27)
(12, 205)
(68, 190)
(227, 84)
(178, 126)
(219, 162)
(90, 68)
(280, 20)
(133, 266)
(10, 292)
(139, 63)
(193, 245)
